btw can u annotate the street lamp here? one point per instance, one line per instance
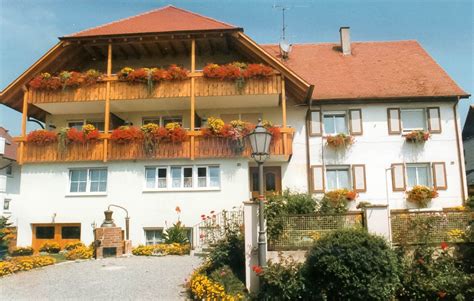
(260, 140)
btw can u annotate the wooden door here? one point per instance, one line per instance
(60, 233)
(271, 178)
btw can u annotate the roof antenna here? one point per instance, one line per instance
(285, 46)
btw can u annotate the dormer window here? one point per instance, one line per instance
(335, 123)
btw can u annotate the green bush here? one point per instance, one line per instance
(51, 247)
(176, 234)
(22, 251)
(282, 280)
(351, 264)
(229, 251)
(430, 274)
(232, 285)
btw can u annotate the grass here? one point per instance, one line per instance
(59, 257)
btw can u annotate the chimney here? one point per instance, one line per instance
(345, 40)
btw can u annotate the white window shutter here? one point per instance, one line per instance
(394, 124)
(315, 123)
(398, 177)
(434, 120)
(440, 181)
(358, 178)
(355, 117)
(317, 173)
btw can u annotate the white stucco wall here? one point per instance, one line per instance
(44, 194)
(11, 189)
(378, 150)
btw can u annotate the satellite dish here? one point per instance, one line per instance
(285, 48)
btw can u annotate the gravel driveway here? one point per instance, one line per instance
(133, 278)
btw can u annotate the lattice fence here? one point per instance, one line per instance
(301, 231)
(409, 228)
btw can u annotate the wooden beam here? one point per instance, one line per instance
(107, 101)
(147, 50)
(135, 51)
(160, 49)
(283, 111)
(24, 118)
(193, 97)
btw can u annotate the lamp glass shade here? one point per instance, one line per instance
(260, 140)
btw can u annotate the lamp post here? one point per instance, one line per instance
(260, 140)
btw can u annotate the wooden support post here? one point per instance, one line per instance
(283, 110)
(24, 118)
(193, 97)
(107, 102)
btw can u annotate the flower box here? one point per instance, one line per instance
(339, 141)
(421, 195)
(418, 136)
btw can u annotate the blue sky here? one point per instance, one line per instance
(28, 28)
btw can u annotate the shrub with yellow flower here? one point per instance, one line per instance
(215, 125)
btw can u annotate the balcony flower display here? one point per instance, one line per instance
(41, 137)
(421, 195)
(418, 136)
(65, 79)
(339, 141)
(126, 134)
(176, 133)
(88, 133)
(237, 72)
(152, 135)
(150, 76)
(336, 201)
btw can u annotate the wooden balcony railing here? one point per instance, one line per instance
(204, 147)
(123, 90)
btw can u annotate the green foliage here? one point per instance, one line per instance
(282, 280)
(176, 234)
(22, 251)
(232, 285)
(351, 264)
(287, 203)
(5, 235)
(333, 203)
(431, 274)
(229, 251)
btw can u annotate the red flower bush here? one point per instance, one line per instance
(41, 137)
(419, 136)
(65, 79)
(138, 75)
(257, 269)
(177, 73)
(257, 71)
(177, 135)
(126, 134)
(339, 140)
(237, 70)
(76, 136)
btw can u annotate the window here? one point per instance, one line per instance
(248, 117)
(182, 177)
(413, 119)
(99, 125)
(335, 123)
(77, 124)
(154, 236)
(71, 232)
(418, 174)
(46, 232)
(9, 170)
(6, 204)
(88, 180)
(163, 120)
(338, 177)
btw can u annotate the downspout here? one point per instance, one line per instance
(460, 156)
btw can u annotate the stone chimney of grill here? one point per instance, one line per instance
(345, 40)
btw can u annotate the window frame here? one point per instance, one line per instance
(334, 114)
(160, 229)
(9, 170)
(408, 130)
(161, 119)
(88, 181)
(86, 121)
(194, 178)
(419, 165)
(346, 168)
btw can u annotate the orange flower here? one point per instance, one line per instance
(444, 245)
(177, 209)
(441, 294)
(257, 269)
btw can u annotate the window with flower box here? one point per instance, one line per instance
(88, 180)
(335, 123)
(77, 124)
(418, 174)
(413, 120)
(338, 177)
(182, 177)
(162, 120)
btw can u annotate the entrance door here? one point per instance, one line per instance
(271, 178)
(60, 233)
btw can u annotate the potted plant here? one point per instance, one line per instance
(339, 141)
(421, 195)
(417, 136)
(41, 137)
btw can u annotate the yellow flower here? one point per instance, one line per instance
(215, 124)
(456, 234)
(149, 127)
(87, 128)
(172, 126)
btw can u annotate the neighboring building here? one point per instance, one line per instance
(376, 91)
(10, 175)
(468, 140)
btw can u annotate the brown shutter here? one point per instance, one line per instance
(358, 178)
(398, 177)
(440, 181)
(394, 122)
(317, 177)
(355, 122)
(314, 120)
(434, 120)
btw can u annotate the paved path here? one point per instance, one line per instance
(134, 278)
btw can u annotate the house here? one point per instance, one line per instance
(468, 140)
(9, 175)
(376, 92)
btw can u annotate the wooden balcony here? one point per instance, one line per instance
(204, 147)
(119, 90)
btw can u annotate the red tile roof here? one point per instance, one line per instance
(374, 70)
(165, 19)
(10, 145)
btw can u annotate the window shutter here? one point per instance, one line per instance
(315, 123)
(355, 124)
(358, 178)
(440, 181)
(317, 174)
(434, 120)
(398, 177)
(394, 124)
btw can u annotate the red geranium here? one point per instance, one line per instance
(160, 74)
(41, 137)
(177, 73)
(177, 134)
(257, 71)
(160, 133)
(126, 134)
(257, 269)
(75, 136)
(444, 245)
(138, 75)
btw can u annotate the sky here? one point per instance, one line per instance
(29, 28)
